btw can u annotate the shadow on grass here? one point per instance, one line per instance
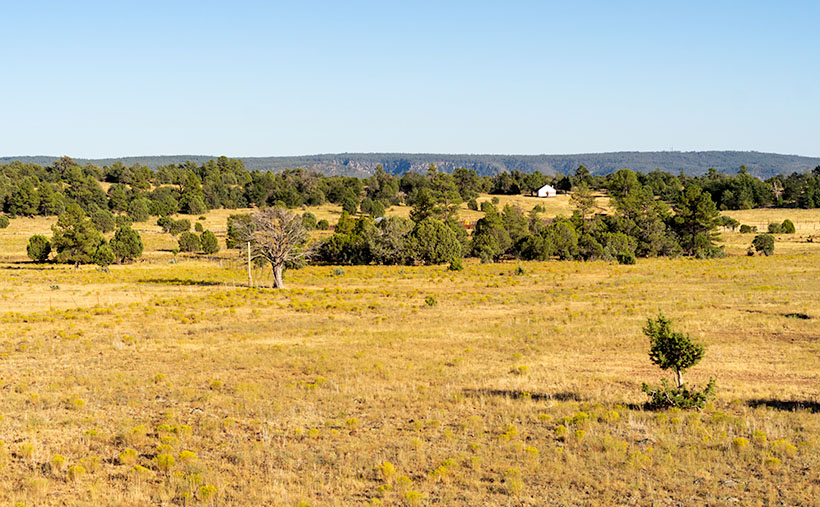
(30, 265)
(791, 315)
(510, 393)
(180, 281)
(801, 316)
(787, 405)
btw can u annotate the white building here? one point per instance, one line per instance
(546, 191)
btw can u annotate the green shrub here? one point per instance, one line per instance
(456, 264)
(625, 258)
(323, 225)
(39, 248)
(104, 256)
(350, 205)
(179, 226)
(165, 462)
(189, 242)
(75, 238)
(198, 227)
(4, 221)
(728, 222)
(775, 228)
(209, 243)
(747, 229)
(666, 396)
(787, 227)
(126, 244)
(206, 492)
(434, 242)
(165, 223)
(487, 207)
(377, 210)
(138, 210)
(128, 457)
(430, 301)
(123, 221)
(764, 243)
(472, 204)
(309, 220)
(196, 206)
(103, 220)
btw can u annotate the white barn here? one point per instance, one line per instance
(546, 191)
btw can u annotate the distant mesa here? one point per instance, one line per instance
(763, 165)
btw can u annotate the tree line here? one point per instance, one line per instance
(140, 192)
(657, 213)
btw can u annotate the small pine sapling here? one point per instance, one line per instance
(672, 350)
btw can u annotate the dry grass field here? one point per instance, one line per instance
(165, 383)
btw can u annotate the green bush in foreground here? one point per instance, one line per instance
(666, 396)
(676, 351)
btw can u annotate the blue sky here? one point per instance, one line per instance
(98, 79)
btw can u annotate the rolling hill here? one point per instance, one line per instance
(763, 165)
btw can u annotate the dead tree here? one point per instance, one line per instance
(277, 236)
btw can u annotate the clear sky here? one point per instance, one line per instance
(241, 78)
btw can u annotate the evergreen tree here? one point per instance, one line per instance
(24, 200)
(670, 349)
(764, 243)
(126, 244)
(209, 243)
(138, 210)
(696, 219)
(38, 248)
(189, 242)
(103, 220)
(75, 237)
(118, 197)
(103, 256)
(434, 242)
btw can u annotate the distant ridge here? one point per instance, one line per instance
(763, 165)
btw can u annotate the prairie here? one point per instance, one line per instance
(168, 381)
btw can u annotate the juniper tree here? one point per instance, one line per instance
(764, 243)
(208, 242)
(38, 248)
(126, 244)
(75, 237)
(189, 242)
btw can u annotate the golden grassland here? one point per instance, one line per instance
(171, 383)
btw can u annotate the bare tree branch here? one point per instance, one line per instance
(278, 236)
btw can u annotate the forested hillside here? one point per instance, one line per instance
(762, 165)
